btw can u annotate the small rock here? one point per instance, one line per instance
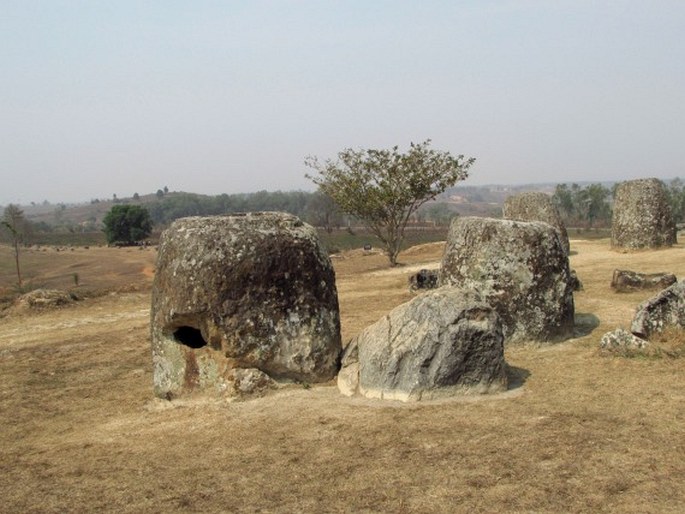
(251, 381)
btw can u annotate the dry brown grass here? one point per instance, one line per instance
(98, 268)
(579, 432)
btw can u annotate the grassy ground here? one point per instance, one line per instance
(577, 432)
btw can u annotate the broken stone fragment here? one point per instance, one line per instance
(665, 310)
(625, 281)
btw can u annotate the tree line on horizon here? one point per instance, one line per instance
(580, 206)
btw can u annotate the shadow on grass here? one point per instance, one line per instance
(584, 324)
(516, 376)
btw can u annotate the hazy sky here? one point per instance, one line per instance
(100, 97)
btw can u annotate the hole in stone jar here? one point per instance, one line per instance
(190, 336)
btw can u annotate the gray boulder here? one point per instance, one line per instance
(666, 309)
(536, 206)
(622, 342)
(441, 343)
(642, 216)
(625, 281)
(520, 268)
(253, 291)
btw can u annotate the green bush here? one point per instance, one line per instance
(127, 224)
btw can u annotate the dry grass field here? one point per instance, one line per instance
(576, 432)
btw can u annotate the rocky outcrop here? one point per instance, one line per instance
(253, 291)
(666, 309)
(424, 279)
(536, 206)
(519, 268)
(441, 343)
(625, 281)
(642, 216)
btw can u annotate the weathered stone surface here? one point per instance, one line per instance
(536, 206)
(666, 309)
(625, 281)
(623, 342)
(642, 215)
(520, 268)
(424, 279)
(441, 343)
(244, 291)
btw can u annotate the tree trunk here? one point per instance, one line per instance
(393, 251)
(16, 259)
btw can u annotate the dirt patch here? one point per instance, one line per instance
(577, 433)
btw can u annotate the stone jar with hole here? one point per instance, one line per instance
(252, 291)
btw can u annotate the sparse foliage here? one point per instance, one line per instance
(127, 224)
(383, 188)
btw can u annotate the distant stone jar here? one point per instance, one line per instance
(536, 206)
(252, 291)
(519, 268)
(642, 216)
